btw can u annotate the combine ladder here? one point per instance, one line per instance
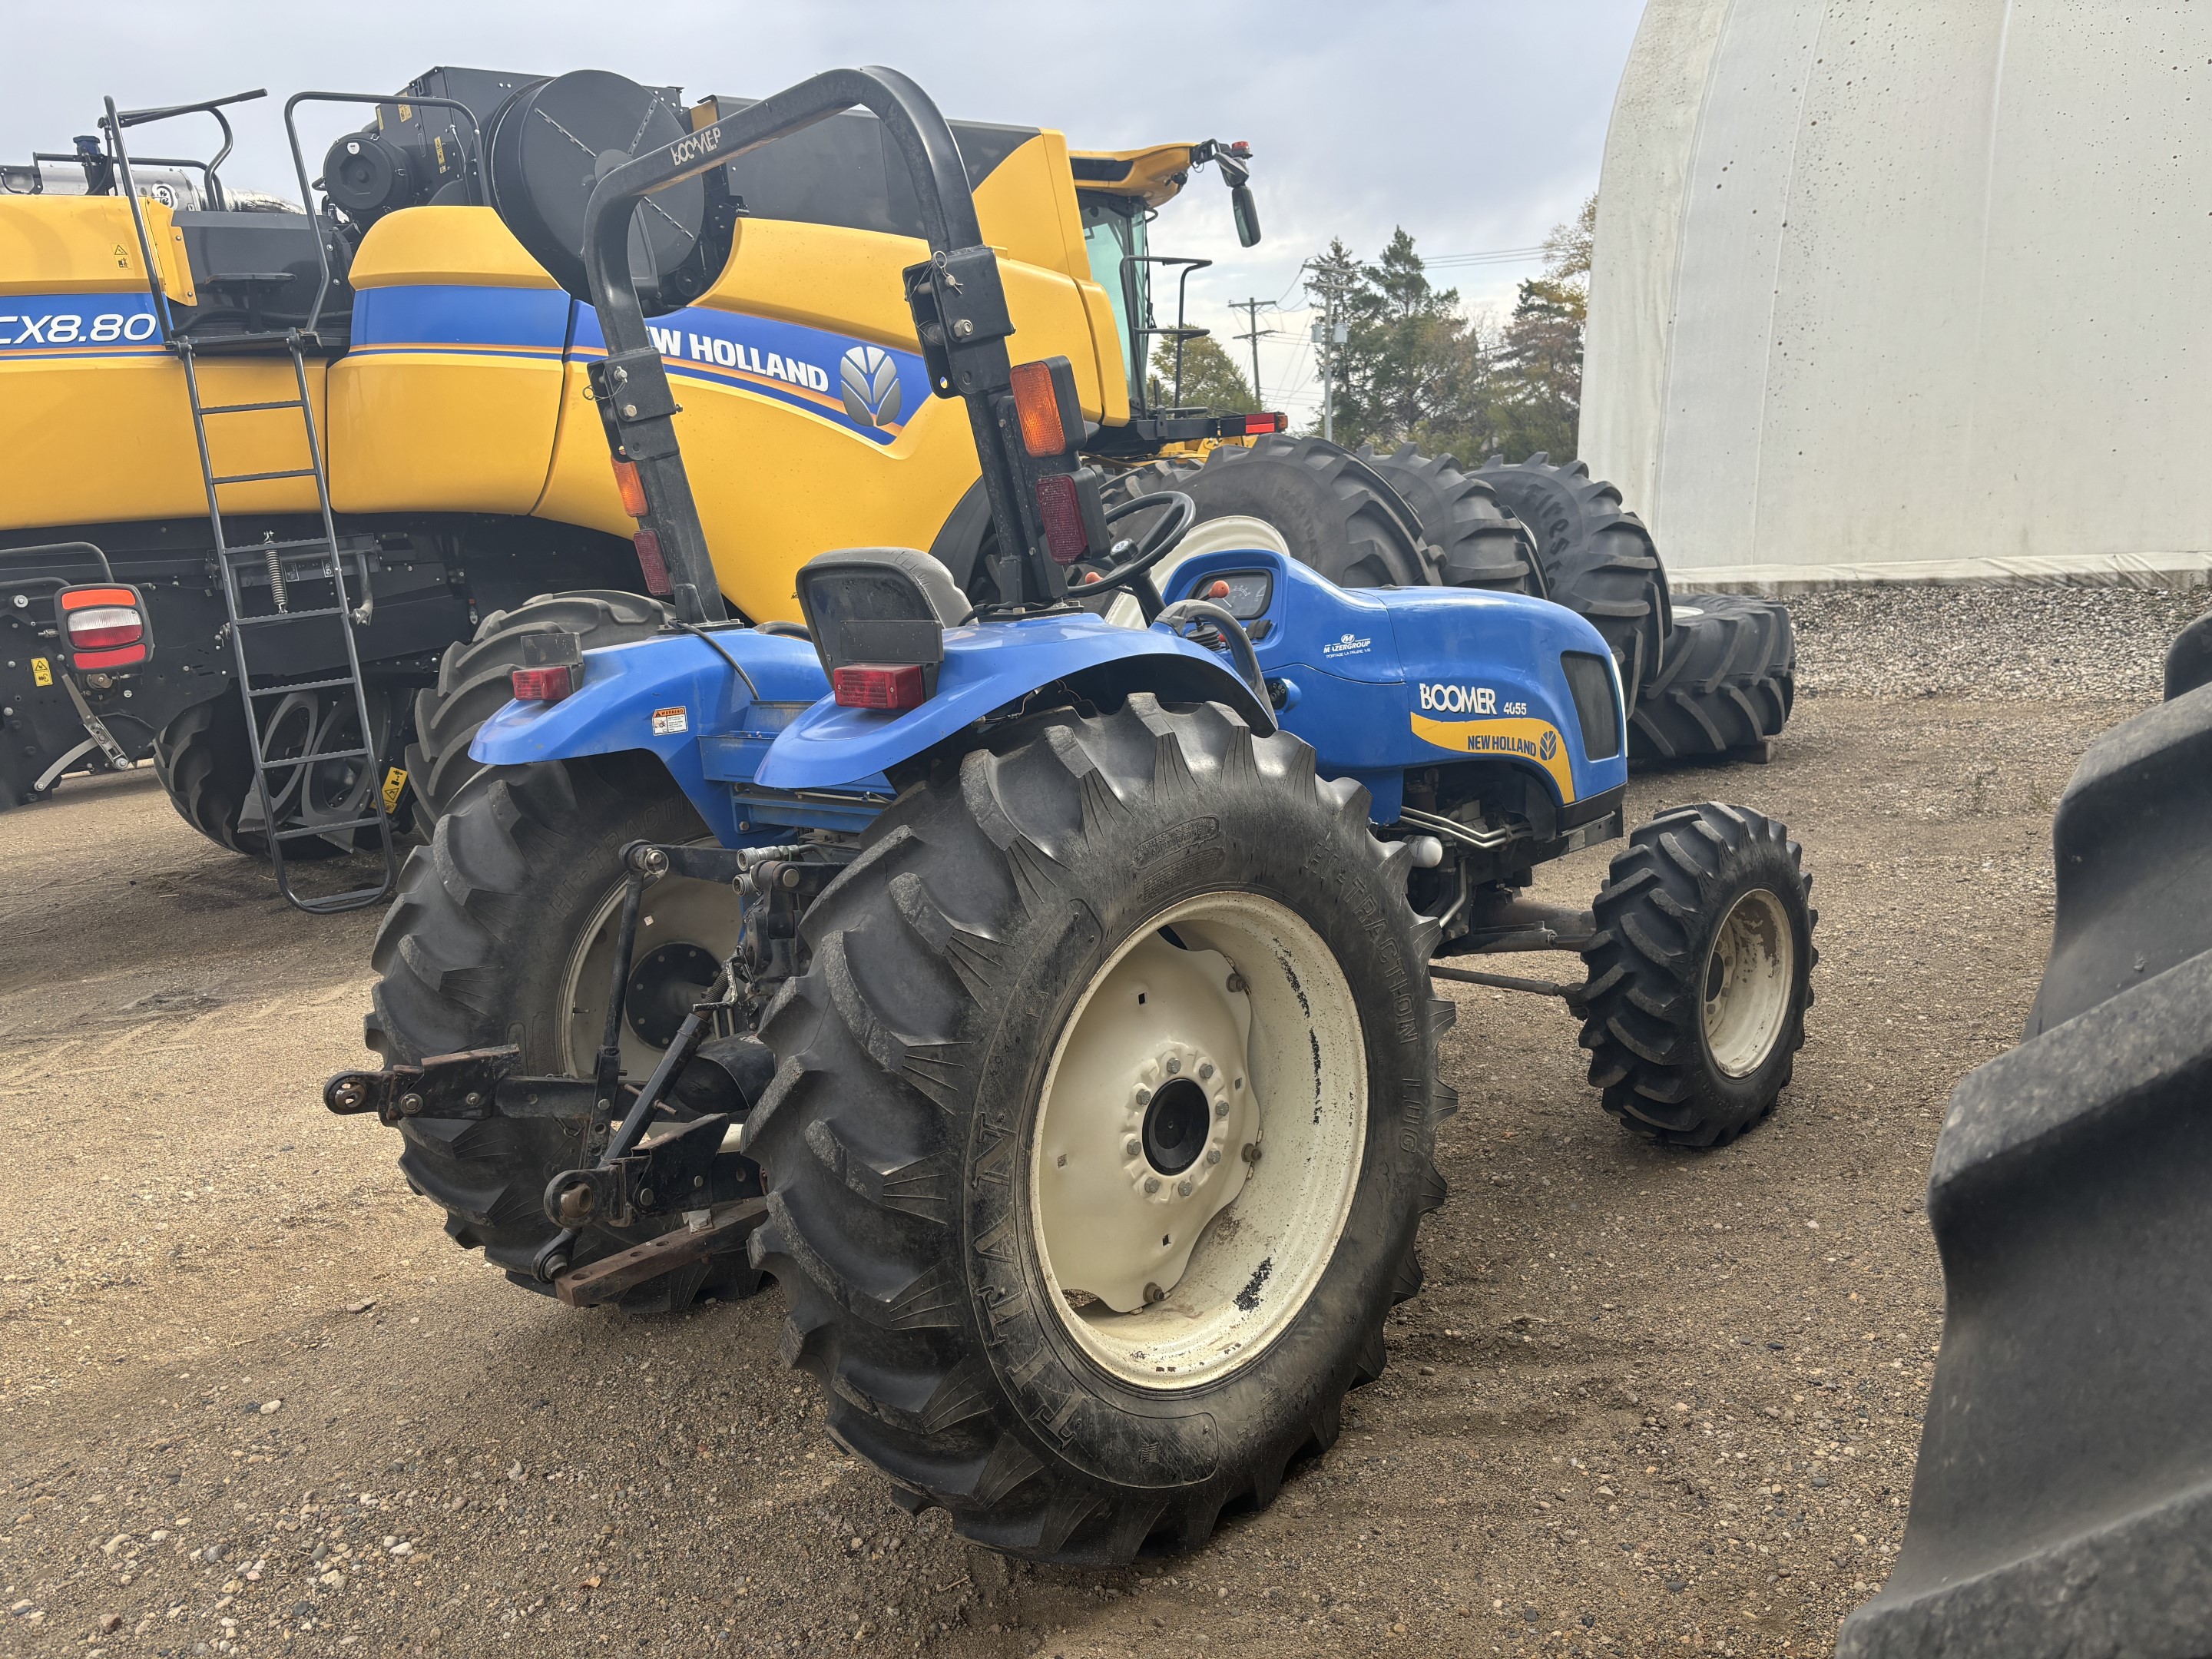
(288, 811)
(287, 781)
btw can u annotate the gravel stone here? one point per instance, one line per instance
(1985, 640)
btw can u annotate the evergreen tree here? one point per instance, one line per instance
(1211, 379)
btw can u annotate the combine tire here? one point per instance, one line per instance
(1076, 998)
(1477, 541)
(206, 762)
(1334, 512)
(473, 678)
(1727, 684)
(503, 932)
(1598, 561)
(1699, 975)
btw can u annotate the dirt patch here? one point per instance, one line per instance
(254, 1400)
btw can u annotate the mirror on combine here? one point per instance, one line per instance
(1248, 215)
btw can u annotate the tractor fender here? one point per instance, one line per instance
(664, 695)
(989, 666)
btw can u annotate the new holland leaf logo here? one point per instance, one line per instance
(869, 381)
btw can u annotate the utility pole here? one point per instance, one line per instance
(1331, 281)
(1251, 310)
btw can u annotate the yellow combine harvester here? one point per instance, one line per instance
(328, 445)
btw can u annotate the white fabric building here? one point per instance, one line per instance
(1910, 289)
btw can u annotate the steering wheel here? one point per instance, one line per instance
(1157, 542)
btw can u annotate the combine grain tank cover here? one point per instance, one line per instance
(555, 141)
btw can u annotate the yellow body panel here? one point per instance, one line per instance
(465, 247)
(75, 244)
(1156, 173)
(440, 430)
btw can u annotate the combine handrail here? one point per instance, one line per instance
(107, 570)
(139, 118)
(306, 195)
(948, 221)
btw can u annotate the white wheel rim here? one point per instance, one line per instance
(1746, 987)
(674, 912)
(1173, 1257)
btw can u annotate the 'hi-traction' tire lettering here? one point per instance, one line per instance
(946, 959)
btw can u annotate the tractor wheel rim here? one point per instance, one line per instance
(1197, 1141)
(676, 912)
(1747, 976)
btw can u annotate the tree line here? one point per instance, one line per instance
(1417, 368)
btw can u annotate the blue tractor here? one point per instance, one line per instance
(1046, 1002)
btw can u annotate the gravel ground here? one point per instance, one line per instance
(254, 1401)
(1975, 640)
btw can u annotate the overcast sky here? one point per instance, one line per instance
(1477, 125)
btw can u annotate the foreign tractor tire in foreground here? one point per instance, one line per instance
(1074, 1000)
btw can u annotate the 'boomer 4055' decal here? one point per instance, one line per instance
(35, 322)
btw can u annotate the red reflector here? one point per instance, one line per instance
(124, 656)
(1062, 513)
(1254, 424)
(650, 561)
(546, 684)
(630, 487)
(1037, 401)
(879, 685)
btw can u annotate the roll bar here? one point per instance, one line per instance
(957, 299)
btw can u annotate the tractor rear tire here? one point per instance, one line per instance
(1598, 561)
(478, 950)
(1477, 541)
(473, 679)
(1335, 512)
(921, 1203)
(1728, 682)
(1699, 974)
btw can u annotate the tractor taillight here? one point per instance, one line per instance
(892, 686)
(547, 684)
(1256, 424)
(630, 487)
(1062, 510)
(104, 626)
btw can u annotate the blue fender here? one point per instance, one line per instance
(668, 696)
(986, 666)
(675, 696)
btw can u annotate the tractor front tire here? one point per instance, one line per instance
(502, 934)
(1699, 974)
(1102, 1128)
(475, 676)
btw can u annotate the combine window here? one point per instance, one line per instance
(1115, 235)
